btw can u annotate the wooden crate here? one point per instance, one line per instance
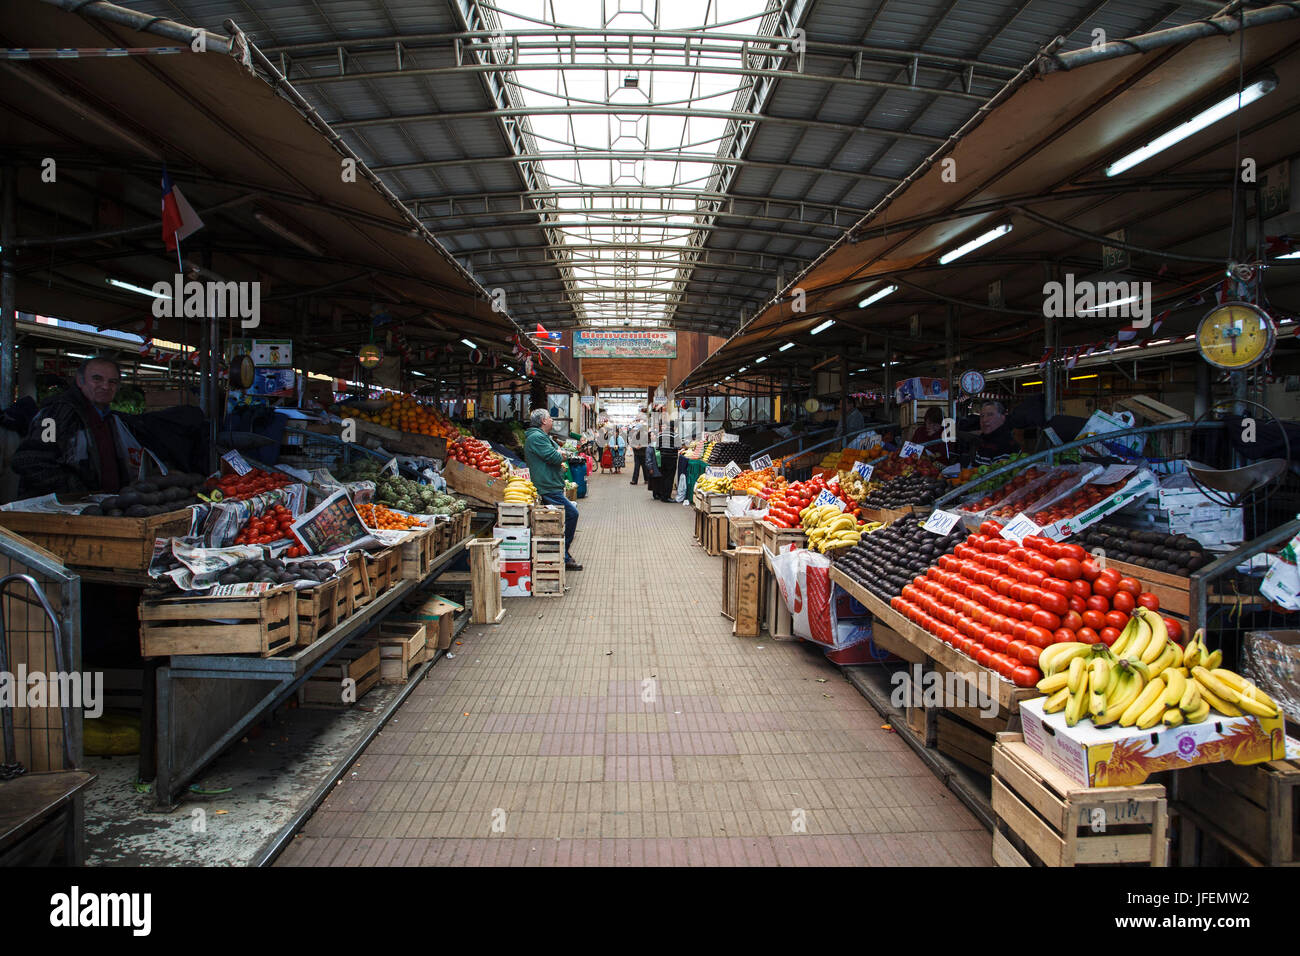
(741, 594)
(383, 570)
(715, 534)
(713, 503)
(1252, 812)
(741, 532)
(265, 624)
(780, 624)
(548, 552)
(468, 482)
(407, 443)
(117, 544)
(439, 618)
(548, 580)
(485, 580)
(356, 582)
(776, 540)
(571, 493)
(513, 515)
(414, 555)
(548, 521)
(318, 611)
(966, 743)
(356, 662)
(1043, 817)
(401, 648)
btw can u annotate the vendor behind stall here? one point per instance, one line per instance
(77, 444)
(995, 439)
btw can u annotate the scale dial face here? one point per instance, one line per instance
(1235, 336)
(972, 382)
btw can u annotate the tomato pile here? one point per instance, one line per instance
(274, 524)
(477, 454)
(238, 487)
(999, 495)
(1001, 603)
(1073, 504)
(784, 505)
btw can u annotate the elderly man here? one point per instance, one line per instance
(77, 444)
(546, 469)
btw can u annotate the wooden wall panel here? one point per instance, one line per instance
(623, 373)
(692, 349)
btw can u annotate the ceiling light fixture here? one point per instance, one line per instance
(469, 343)
(129, 287)
(1218, 111)
(788, 345)
(823, 327)
(760, 360)
(877, 295)
(954, 254)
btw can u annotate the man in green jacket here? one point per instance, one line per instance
(546, 469)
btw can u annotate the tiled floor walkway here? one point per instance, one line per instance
(624, 724)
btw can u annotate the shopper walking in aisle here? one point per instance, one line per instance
(638, 439)
(546, 469)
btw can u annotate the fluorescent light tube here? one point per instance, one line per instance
(760, 360)
(790, 345)
(1110, 305)
(974, 244)
(129, 287)
(1218, 111)
(877, 295)
(823, 327)
(743, 368)
(469, 343)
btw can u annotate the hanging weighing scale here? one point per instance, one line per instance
(1236, 336)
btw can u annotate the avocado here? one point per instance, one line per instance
(228, 577)
(115, 513)
(146, 487)
(136, 511)
(127, 499)
(92, 510)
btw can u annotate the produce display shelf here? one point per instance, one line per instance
(1009, 695)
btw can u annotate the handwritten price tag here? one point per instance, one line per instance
(865, 470)
(1020, 528)
(236, 462)
(940, 522)
(826, 498)
(730, 438)
(758, 464)
(732, 470)
(911, 450)
(713, 471)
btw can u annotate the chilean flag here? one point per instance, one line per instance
(179, 219)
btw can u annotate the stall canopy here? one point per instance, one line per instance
(1037, 162)
(340, 261)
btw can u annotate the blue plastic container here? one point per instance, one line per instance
(578, 475)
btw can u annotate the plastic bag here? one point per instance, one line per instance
(1282, 582)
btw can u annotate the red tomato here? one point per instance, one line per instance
(1073, 551)
(1051, 601)
(1027, 612)
(1149, 601)
(1059, 585)
(1025, 676)
(1045, 619)
(1094, 619)
(1175, 629)
(1116, 619)
(1124, 601)
(1105, 587)
(1020, 631)
(1130, 585)
(1041, 637)
(998, 641)
(984, 656)
(1072, 621)
(1077, 604)
(991, 528)
(1081, 588)
(1087, 635)
(1062, 636)
(1029, 655)
(1100, 603)
(1108, 635)
(1067, 568)
(1091, 570)
(1015, 647)
(1037, 543)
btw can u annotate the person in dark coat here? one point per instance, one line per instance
(77, 444)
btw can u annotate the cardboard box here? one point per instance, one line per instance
(1123, 756)
(516, 543)
(1136, 488)
(516, 578)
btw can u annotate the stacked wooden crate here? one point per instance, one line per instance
(548, 567)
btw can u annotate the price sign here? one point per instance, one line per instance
(911, 450)
(728, 437)
(1019, 528)
(865, 470)
(940, 522)
(713, 471)
(236, 462)
(826, 498)
(1113, 474)
(758, 464)
(732, 470)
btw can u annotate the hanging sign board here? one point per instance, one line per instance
(758, 464)
(646, 344)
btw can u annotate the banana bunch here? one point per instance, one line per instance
(714, 486)
(521, 491)
(1145, 679)
(828, 527)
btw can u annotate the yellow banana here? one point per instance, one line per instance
(1212, 662)
(1191, 698)
(1129, 684)
(1210, 695)
(1192, 653)
(1051, 685)
(1199, 714)
(1167, 657)
(1159, 634)
(1173, 717)
(1152, 694)
(1057, 701)
(1058, 656)
(1244, 687)
(1138, 645)
(1120, 647)
(1151, 716)
(1175, 685)
(1078, 705)
(1075, 675)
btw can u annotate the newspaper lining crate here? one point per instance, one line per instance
(357, 662)
(401, 648)
(117, 544)
(548, 552)
(264, 624)
(548, 521)
(513, 515)
(1042, 815)
(318, 611)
